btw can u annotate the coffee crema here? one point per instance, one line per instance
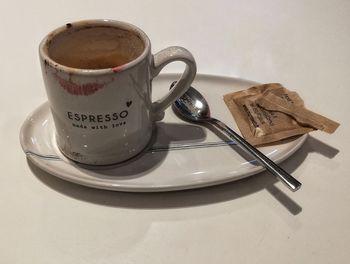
(99, 47)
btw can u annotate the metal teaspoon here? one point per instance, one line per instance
(192, 106)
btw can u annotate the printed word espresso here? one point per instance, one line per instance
(100, 118)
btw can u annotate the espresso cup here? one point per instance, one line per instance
(98, 78)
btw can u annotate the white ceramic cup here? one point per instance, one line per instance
(102, 110)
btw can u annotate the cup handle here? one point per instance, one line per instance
(163, 58)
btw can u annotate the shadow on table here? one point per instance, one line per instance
(195, 197)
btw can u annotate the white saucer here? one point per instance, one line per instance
(183, 155)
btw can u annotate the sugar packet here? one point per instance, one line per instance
(269, 113)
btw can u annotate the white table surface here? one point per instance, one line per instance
(302, 44)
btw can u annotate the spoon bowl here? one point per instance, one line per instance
(192, 106)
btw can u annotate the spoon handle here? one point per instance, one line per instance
(272, 167)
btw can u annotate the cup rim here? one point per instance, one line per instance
(43, 47)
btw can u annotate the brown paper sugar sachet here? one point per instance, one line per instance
(269, 113)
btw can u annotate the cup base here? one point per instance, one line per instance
(111, 162)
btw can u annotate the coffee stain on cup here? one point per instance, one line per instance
(85, 89)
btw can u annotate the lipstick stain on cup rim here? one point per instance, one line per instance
(85, 89)
(117, 68)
